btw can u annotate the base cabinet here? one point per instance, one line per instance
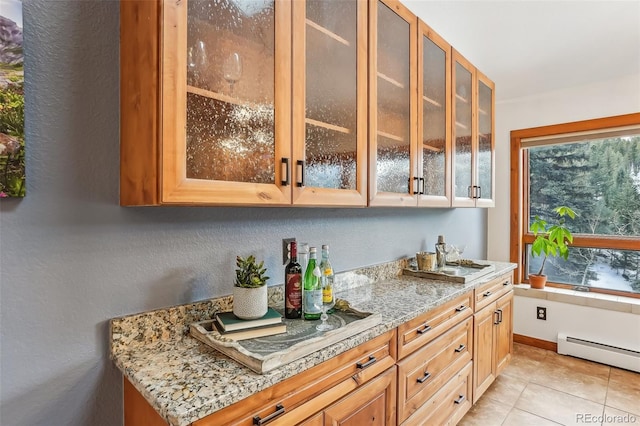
(492, 342)
(373, 404)
(428, 371)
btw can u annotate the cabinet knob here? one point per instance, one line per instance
(363, 365)
(279, 411)
(285, 171)
(460, 400)
(423, 330)
(424, 378)
(300, 181)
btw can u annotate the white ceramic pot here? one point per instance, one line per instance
(250, 303)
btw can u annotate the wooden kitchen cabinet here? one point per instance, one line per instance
(473, 139)
(492, 342)
(207, 115)
(434, 119)
(422, 374)
(392, 104)
(330, 102)
(373, 404)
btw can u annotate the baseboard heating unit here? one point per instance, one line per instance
(594, 351)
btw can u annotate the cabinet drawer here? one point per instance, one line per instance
(297, 398)
(490, 291)
(414, 334)
(421, 374)
(449, 404)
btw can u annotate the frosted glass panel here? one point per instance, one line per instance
(462, 142)
(229, 142)
(434, 101)
(484, 140)
(331, 109)
(394, 163)
(230, 85)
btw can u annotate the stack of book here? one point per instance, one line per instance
(232, 327)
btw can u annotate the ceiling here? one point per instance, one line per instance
(531, 47)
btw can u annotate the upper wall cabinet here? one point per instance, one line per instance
(206, 104)
(330, 102)
(434, 119)
(393, 104)
(473, 102)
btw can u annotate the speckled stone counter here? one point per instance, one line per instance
(185, 380)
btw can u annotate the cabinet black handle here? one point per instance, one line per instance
(507, 282)
(461, 348)
(486, 294)
(460, 399)
(416, 185)
(422, 185)
(461, 308)
(285, 171)
(424, 378)
(499, 315)
(300, 164)
(362, 365)
(496, 320)
(279, 411)
(426, 328)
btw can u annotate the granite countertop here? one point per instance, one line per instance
(185, 380)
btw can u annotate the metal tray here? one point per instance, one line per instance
(452, 272)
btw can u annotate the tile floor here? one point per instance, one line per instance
(540, 388)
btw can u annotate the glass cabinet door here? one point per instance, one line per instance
(226, 101)
(463, 94)
(486, 146)
(329, 102)
(434, 118)
(392, 85)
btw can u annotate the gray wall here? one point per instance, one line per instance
(71, 258)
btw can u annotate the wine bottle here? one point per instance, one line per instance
(327, 277)
(312, 290)
(293, 285)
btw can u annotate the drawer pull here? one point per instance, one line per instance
(372, 359)
(507, 282)
(424, 378)
(460, 399)
(486, 294)
(461, 308)
(461, 348)
(426, 328)
(279, 411)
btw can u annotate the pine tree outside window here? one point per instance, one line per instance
(593, 167)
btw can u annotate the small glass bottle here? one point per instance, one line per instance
(327, 277)
(303, 256)
(312, 291)
(441, 255)
(293, 285)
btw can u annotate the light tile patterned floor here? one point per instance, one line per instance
(542, 388)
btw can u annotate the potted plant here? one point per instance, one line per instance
(551, 240)
(250, 289)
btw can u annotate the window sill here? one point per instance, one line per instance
(595, 300)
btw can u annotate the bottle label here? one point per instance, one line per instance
(293, 296)
(327, 294)
(312, 301)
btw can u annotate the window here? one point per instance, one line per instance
(593, 167)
